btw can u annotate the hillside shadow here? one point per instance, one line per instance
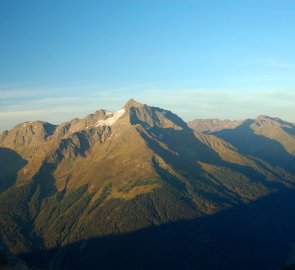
(188, 151)
(148, 115)
(251, 236)
(49, 128)
(45, 180)
(10, 163)
(251, 144)
(291, 131)
(185, 148)
(185, 151)
(84, 144)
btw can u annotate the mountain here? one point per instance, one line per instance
(266, 138)
(209, 125)
(139, 189)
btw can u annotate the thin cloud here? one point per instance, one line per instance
(187, 103)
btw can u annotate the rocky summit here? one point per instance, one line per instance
(140, 188)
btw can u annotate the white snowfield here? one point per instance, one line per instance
(111, 120)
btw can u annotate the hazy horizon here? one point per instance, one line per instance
(199, 59)
(135, 187)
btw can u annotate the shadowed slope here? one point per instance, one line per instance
(10, 164)
(247, 237)
(120, 172)
(269, 139)
(248, 142)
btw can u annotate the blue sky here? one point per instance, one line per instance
(61, 59)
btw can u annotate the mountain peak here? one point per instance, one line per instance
(133, 103)
(270, 118)
(262, 117)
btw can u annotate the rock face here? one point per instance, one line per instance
(82, 186)
(269, 139)
(210, 125)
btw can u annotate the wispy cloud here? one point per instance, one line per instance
(231, 104)
(188, 103)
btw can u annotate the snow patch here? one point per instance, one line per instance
(111, 120)
(26, 124)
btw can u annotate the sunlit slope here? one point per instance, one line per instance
(119, 172)
(269, 139)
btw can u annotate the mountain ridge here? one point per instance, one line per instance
(119, 172)
(268, 138)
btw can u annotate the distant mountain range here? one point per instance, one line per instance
(141, 189)
(266, 138)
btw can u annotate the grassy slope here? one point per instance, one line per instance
(101, 182)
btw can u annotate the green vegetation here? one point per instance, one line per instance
(76, 185)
